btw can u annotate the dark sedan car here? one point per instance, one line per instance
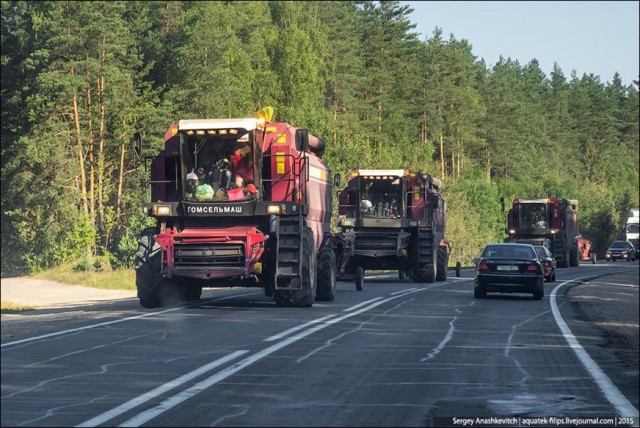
(548, 262)
(509, 268)
(621, 250)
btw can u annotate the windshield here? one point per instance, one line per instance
(509, 251)
(618, 244)
(633, 228)
(381, 197)
(533, 215)
(218, 168)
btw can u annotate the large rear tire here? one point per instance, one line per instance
(306, 295)
(148, 269)
(574, 260)
(326, 291)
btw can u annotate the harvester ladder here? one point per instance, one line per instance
(558, 250)
(289, 254)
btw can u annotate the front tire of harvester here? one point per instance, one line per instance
(326, 275)
(441, 274)
(148, 270)
(359, 276)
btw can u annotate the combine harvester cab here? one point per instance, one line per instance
(551, 222)
(237, 202)
(391, 220)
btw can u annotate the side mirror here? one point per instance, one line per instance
(435, 201)
(502, 204)
(138, 144)
(302, 140)
(475, 261)
(336, 180)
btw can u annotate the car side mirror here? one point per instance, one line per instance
(434, 201)
(336, 180)
(475, 261)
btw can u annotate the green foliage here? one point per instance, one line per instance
(78, 78)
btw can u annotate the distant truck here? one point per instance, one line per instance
(551, 222)
(391, 219)
(632, 229)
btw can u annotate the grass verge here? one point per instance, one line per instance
(121, 279)
(14, 308)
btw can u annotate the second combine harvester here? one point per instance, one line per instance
(391, 220)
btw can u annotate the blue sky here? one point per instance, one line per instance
(593, 37)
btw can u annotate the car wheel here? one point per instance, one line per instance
(539, 292)
(479, 292)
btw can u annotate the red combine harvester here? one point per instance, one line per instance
(391, 220)
(237, 202)
(551, 222)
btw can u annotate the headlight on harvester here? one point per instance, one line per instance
(347, 222)
(161, 210)
(274, 209)
(512, 231)
(554, 231)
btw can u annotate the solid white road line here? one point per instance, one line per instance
(296, 328)
(610, 391)
(366, 302)
(117, 411)
(171, 402)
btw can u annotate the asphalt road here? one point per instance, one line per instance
(395, 354)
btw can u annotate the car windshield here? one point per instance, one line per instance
(507, 251)
(618, 244)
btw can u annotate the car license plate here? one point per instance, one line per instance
(506, 267)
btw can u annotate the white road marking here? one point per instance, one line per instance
(444, 341)
(610, 391)
(102, 324)
(117, 411)
(366, 302)
(171, 402)
(403, 291)
(296, 328)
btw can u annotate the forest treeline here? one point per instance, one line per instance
(79, 78)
